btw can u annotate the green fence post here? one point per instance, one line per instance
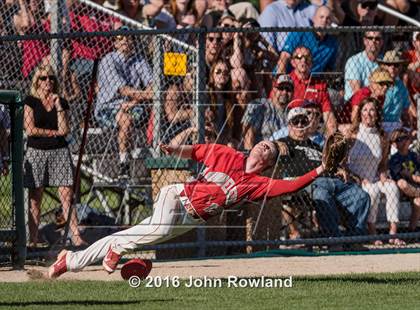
(16, 112)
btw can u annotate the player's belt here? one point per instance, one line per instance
(187, 205)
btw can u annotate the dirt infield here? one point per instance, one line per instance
(250, 267)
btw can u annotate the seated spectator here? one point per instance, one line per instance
(368, 160)
(239, 10)
(47, 160)
(302, 156)
(213, 49)
(332, 195)
(220, 99)
(379, 82)
(285, 13)
(360, 12)
(172, 15)
(323, 46)
(360, 66)
(312, 89)
(124, 82)
(264, 116)
(259, 57)
(132, 9)
(405, 170)
(412, 78)
(178, 109)
(396, 109)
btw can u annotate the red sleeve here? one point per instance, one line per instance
(281, 187)
(325, 102)
(358, 97)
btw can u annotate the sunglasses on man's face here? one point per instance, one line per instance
(302, 56)
(221, 71)
(284, 88)
(401, 139)
(387, 84)
(214, 39)
(300, 121)
(45, 77)
(377, 39)
(369, 5)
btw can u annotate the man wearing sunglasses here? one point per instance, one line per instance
(360, 66)
(323, 46)
(396, 111)
(331, 195)
(310, 88)
(264, 116)
(124, 81)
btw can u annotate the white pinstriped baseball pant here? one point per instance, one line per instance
(169, 220)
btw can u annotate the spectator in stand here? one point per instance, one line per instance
(396, 109)
(360, 12)
(265, 116)
(220, 99)
(132, 9)
(310, 88)
(332, 194)
(379, 82)
(285, 13)
(405, 170)
(239, 10)
(34, 20)
(368, 160)
(243, 93)
(323, 46)
(213, 49)
(172, 15)
(360, 66)
(47, 159)
(124, 82)
(412, 78)
(301, 154)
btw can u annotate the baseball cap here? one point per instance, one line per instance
(296, 112)
(284, 78)
(380, 75)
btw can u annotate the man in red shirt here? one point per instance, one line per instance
(229, 178)
(307, 87)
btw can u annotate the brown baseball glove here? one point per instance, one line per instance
(335, 152)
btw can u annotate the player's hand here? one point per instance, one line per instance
(167, 149)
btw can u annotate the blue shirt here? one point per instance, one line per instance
(396, 100)
(115, 71)
(278, 14)
(398, 163)
(264, 117)
(358, 67)
(323, 52)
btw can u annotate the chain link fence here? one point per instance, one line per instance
(119, 94)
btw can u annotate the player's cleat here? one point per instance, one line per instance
(136, 267)
(110, 261)
(59, 267)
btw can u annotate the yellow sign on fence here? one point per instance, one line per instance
(175, 64)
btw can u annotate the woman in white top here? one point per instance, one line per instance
(368, 160)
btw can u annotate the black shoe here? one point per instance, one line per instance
(124, 171)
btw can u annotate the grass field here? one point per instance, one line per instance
(368, 291)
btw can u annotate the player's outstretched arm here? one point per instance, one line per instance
(183, 151)
(281, 187)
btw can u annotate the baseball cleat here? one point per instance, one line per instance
(110, 261)
(59, 267)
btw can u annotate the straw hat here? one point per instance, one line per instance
(380, 75)
(393, 57)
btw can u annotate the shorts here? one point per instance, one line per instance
(107, 117)
(44, 168)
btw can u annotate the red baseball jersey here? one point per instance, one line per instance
(225, 183)
(313, 90)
